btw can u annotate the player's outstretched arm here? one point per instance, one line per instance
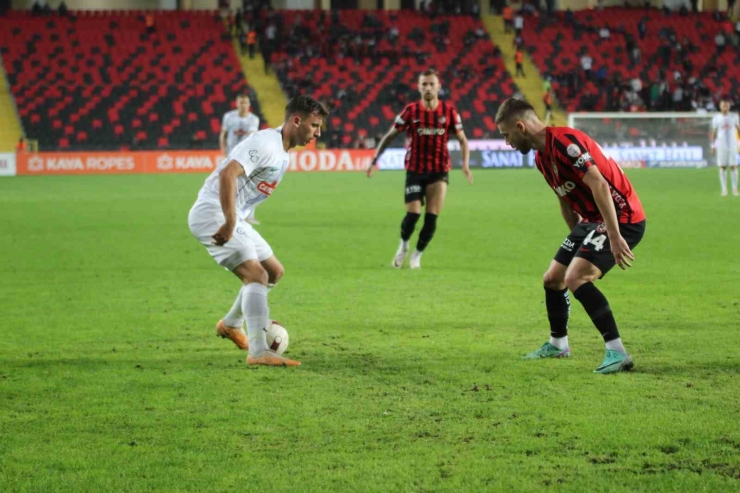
(384, 142)
(603, 197)
(713, 139)
(572, 218)
(465, 148)
(227, 192)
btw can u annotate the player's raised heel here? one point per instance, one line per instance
(235, 334)
(415, 260)
(399, 258)
(548, 351)
(614, 362)
(271, 358)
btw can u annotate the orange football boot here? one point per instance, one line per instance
(271, 358)
(236, 334)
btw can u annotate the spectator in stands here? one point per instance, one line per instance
(547, 99)
(149, 22)
(730, 7)
(519, 59)
(586, 63)
(642, 28)
(569, 17)
(508, 15)
(720, 41)
(251, 42)
(677, 97)
(601, 75)
(21, 146)
(518, 23)
(267, 56)
(62, 9)
(604, 33)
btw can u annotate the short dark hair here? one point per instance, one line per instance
(242, 95)
(429, 71)
(306, 105)
(511, 108)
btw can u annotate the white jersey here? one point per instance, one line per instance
(264, 161)
(238, 128)
(726, 125)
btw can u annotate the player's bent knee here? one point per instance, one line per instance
(252, 272)
(276, 274)
(574, 280)
(553, 280)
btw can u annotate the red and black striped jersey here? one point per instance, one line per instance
(568, 155)
(428, 132)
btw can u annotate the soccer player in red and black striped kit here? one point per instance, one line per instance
(602, 211)
(428, 123)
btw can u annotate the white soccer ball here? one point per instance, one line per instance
(277, 337)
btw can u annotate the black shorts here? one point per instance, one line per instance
(417, 183)
(590, 242)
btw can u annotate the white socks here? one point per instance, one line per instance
(733, 177)
(616, 345)
(723, 181)
(404, 246)
(559, 342)
(235, 318)
(254, 304)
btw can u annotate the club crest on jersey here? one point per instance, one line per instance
(573, 150)
(266, 188)
(442, 120)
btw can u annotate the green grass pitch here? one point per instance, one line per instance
(111, 377)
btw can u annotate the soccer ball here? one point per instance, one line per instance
(277, 337)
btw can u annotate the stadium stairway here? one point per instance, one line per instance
(10, 127)
(531, 85)
(271, 98)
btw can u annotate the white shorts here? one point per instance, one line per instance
(726, 156)
(246, 243)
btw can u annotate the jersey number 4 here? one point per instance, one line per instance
(596, 241)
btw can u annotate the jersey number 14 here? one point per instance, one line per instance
(597, 242)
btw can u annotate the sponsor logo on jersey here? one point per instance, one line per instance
(567, 245)
(442, 120)
(254, 156)
(581, 161)
(266, 188)
(618, 199)
(562, 190)
(430, 131)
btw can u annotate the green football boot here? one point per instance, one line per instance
(615, 361)
(548, 351)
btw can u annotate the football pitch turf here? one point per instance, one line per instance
(111, 377)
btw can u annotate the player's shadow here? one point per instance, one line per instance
(694, 370)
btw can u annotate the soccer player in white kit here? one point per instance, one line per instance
(724, 143)
(245, 178)
(236, 126)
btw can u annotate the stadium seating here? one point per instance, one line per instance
(97, 80)
(366, 87)
(556, 47)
